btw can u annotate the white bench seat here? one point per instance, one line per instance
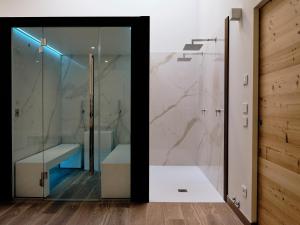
(29, 170)
(115, 173)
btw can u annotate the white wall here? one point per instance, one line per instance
(174, 117)
(173, 22)
(242, 169)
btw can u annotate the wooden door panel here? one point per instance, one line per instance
(279, 114)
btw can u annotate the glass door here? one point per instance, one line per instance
(27, 112)
(72, 112)
(69, 125)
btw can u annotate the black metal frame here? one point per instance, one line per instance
(226, 106)
(140, 40)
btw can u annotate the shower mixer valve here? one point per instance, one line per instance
(218, 111)
(203, 111)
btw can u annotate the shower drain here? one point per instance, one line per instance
(182, 190)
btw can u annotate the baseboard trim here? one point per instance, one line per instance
(239, 214)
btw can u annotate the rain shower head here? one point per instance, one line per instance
(192, 47)
(184, 59)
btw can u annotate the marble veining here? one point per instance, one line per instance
(50, 103)
(155, 67)
(173, 95)
(188, 128)
(112, 97)
(53, 101)
(181, 132)
(173, 106)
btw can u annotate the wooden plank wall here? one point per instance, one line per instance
(279, 114)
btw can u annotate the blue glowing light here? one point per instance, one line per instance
(49, 48)
(36, 40)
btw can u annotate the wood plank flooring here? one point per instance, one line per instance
(39, 212)
(75, 184)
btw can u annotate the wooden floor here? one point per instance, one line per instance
(38, 212)
(75, 184)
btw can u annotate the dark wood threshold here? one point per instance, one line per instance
(239, 214)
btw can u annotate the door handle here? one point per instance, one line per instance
(91, 124)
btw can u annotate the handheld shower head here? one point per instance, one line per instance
(184, 59)
(188, 59)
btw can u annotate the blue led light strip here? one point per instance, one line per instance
(37, 40)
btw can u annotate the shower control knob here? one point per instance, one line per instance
(203, 111)
(218, 111)
(17, 112)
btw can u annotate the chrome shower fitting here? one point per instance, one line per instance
(197, 47)
(192, 47)
(204, 40)
(195, 53)
(218, 111)
(188, 59)
(184, 58)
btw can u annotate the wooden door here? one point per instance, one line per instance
(279, 114)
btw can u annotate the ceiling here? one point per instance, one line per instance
(79, 40)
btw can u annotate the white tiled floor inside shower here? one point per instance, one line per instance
(166, 180)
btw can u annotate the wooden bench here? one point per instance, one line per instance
(29, 171)
(115, 173)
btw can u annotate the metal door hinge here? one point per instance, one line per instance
(41, 49)
(43, 44)
(43, 41)
(44, 175)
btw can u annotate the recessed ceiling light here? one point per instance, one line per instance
(93, 47)
(106, 61)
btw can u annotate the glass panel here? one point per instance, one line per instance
(66, 97)
(27, 112)
(54, 152)
(52, 112)
(112, 94)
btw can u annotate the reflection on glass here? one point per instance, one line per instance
(51, 111)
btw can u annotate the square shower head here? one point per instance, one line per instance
(183, 59)
(192, 47)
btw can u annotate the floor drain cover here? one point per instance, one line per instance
(182, 190)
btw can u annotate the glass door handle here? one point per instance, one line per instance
(91, 119)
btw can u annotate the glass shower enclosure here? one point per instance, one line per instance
(71, 112)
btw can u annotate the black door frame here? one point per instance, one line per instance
(140, 43)
(226, 105)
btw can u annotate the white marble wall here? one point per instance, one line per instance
(112, 102)
(114, 98)
(35, 98)
(50, 99)
(74, 99)
(174, 117)
(180, 132)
